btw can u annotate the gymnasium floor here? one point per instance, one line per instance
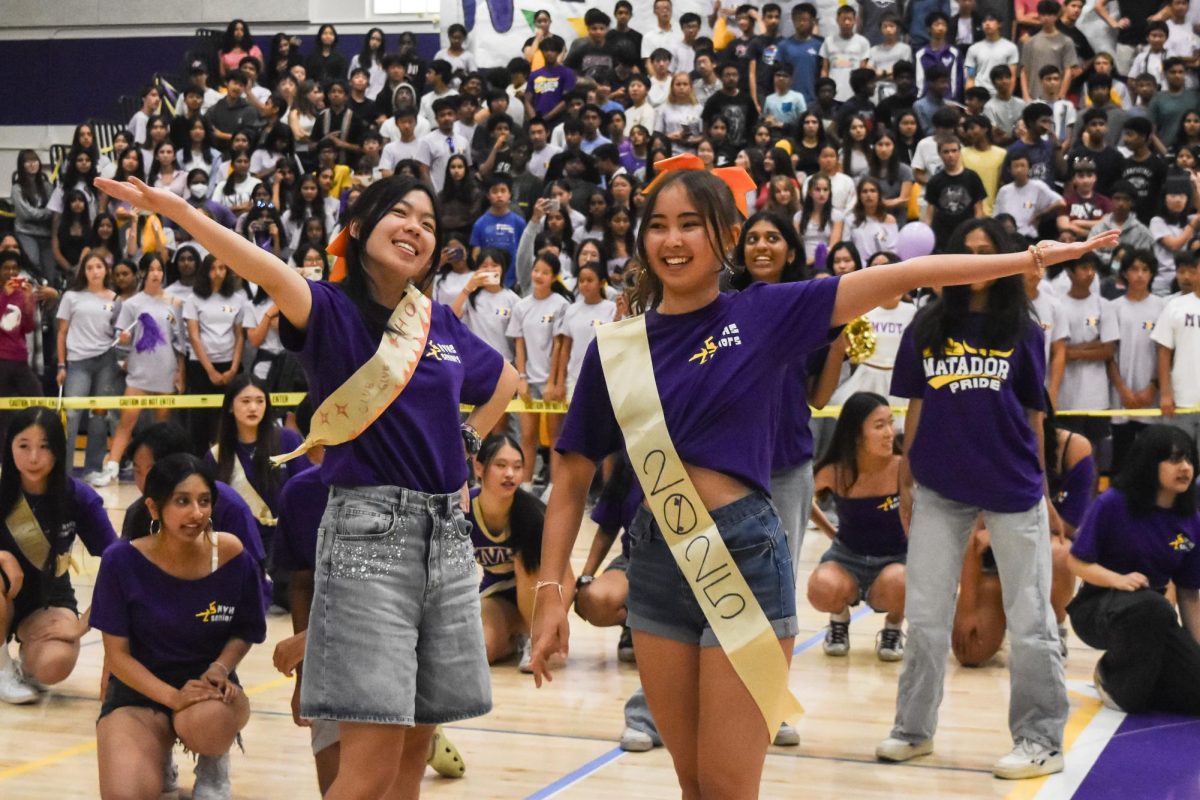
(560, 741)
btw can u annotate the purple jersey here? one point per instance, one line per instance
(870, 526)
(231, 514)
(416, 442)
(1071, 493)
(1160, 545)
(974, 444)
(301, 506)
(173, 624)
(719, 370)
(616, 514)
(492, 552)
(289, 440)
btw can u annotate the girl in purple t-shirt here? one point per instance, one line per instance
(1137, 537)
(708, 396)
(393, 534)
(179, 610)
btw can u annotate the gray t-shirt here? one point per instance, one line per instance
(218, 317)
(153, 323)
(1044, 49)
(1048, 312)
(271, 344)
(90, 317)
(578, 324)
(487, 316)
(1085, 383)
(1137, 354)
(1025, 203)
(535, 321)
(1159, 228)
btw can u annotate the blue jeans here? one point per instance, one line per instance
(90, 377)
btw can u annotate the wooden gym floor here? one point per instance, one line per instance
(561, 740)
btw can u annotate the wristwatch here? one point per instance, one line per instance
(584, 580)
(471, 439)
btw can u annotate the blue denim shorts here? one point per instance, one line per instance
(395, 635)
(864, 569)
(661, 601)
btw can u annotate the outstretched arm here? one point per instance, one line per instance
(285, 285)
(859, 292)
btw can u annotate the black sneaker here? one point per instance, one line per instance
(837, 639)
(889, 644)
(625, 646)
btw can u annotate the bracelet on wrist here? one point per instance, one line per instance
(224, 668)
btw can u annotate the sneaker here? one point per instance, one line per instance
(1028, 760)
(105, 476)
(1105, 697)
(837, 639)
(786, 736)
(212, 779)
(14, 689)
(635, 741)
(897, 750)
(170, 784)
(444, 757)
(91, 476)
(1062, 640)
(889, 644)
(525, 648)
(625, 646)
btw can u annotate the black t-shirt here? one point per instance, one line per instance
(323, 69)
(1147, 178)
(855, 107)
(764, 52)
(1109, 164)
(739, 112)
(588, 58)
(953, 198)
(625, 45)
(1138, 12)
(891, 107)
(1083, 48)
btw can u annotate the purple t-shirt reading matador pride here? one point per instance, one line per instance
(416, 443)
(974, 444)
(720, 370)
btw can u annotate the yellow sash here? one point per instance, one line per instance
(352, 407)
(241, 484)
(27, 532)
(729, 605)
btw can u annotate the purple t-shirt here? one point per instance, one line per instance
(416, 443)
(548, 85)
(89, 522)
(176, 625)
(870, 526)
(230, 514)
(1071, 493)
(613, 513)
(974, 444)
(301, 506)
(289, 440)
(1161, 545)
(718, 370)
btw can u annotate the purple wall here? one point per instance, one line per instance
(67, 81)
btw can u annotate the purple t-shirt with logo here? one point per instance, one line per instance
(1160, 545)
(301, 506)
(416, 443)
(548, 85)
(974, 444)
(176, 625)
(719, 370)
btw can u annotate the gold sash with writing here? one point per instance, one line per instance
(27, 532)
(729, 605)
(352, 407)
(241, 484)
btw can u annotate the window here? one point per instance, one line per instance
(406, 6)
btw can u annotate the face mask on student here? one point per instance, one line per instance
(199, 190)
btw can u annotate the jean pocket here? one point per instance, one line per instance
(355, 524)
(459, 549)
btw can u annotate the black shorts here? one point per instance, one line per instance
(59, 593)
(121, 696)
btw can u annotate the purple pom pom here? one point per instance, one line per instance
(151, 336)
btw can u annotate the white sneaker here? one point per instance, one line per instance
(525, 647)
(635, 741)
(170, 784)
(212, 779)
(105, 476)
(837, 639)
(1062, 640)
(1028, 760)
(786, 736)
(14, 689)
(897, 750)
(889, 644)
(1105, 698)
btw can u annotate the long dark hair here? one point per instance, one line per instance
(375, 202)
(302, 209)
(781, 164)
(793, 271)
(122, 174)
(79, 281)
(167, 473)
(501, 257)
(61, 500)
(806, 205)
(113, 242)
(172, 268)
(464, 191)
(1008, 314)
(183, 150)
(889, 170)
(34, 187)
(842, 451)
(202, 286)
(610, 239)
(709, 196)
(528, 514)
(266, 440)
(230, 40)
(556, 286)
(76, 147)
(1138, 479)
(231, 183)
(368, 57)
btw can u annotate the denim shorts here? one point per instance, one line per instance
(661, 601)
(395, 635)
(864, 569)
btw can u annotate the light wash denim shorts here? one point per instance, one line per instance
(661, 601)
(395, 635)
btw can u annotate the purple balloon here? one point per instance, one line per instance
(915, 239)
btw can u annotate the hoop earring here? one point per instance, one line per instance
(155, 526)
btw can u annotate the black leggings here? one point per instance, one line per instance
(1151, 662)
(202, 422)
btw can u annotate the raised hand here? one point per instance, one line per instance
(140, 195)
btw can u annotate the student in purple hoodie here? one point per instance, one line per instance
(691, 221)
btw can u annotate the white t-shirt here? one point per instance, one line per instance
(842, 193)
(1137, 355)
(871, 237)
(539, 160)
(673, 118)
(1048, 312)
(1178, 328)
(434, 150)
(1085, 383)
(926, 157)
(1025, 203)
(535, 321)
(844, 56)
(1159, 228)
(218, 317)
(883, 58)
(448, 287)
(397, 151)
(488, 319)
(91, 317)
(659, 91)
(813, 234)
(241, 192)
(875, 375)
(389, 131)
(983, 56)
(151, 369)
(271, 344)
(579, 324)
